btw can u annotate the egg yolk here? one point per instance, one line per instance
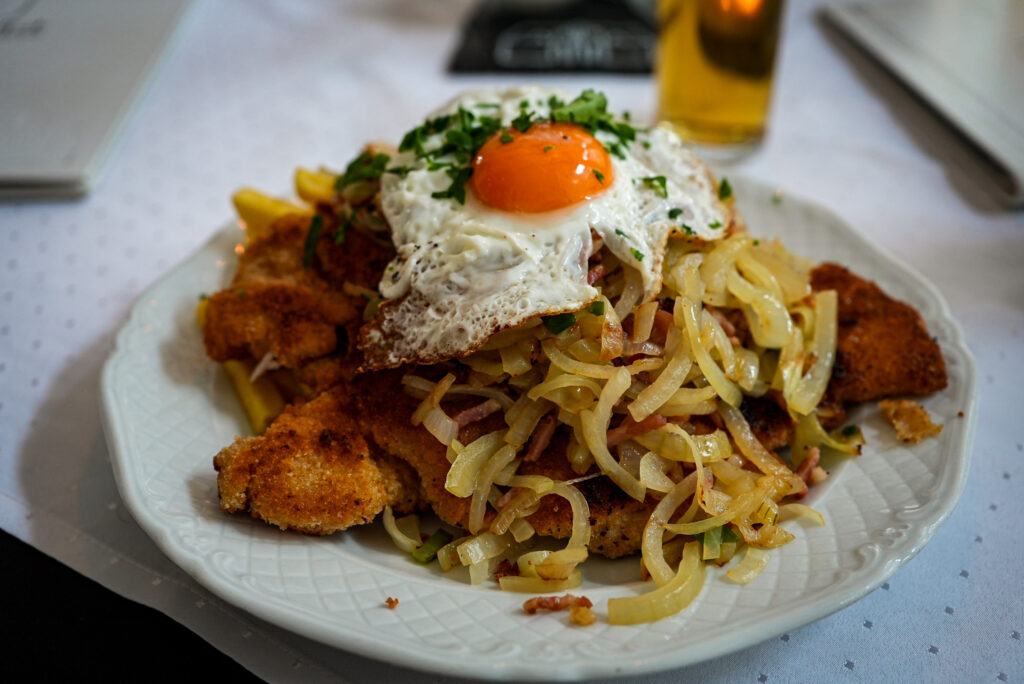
(550, 166)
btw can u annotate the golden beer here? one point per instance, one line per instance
(715, 60)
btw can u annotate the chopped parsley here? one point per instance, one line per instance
(599, 176)
(686, 229)
(637, 254)
(674, 213)
(523, 122)
(657, 184)
(400, 170)
(616, 149)
(647, 144)
(715, 224)
(559, 322)
(241, 293)
(457, 190)
(724, 190)
(548, 148)
(365, 167)
(316, 226)
(757, 242)
(506, 137)
(342, 233)
(590, 111)
(596, 308)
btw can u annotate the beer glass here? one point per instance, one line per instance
(715, 64)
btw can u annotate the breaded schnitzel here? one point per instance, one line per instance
(313, 472)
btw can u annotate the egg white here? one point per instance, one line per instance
(465, 271)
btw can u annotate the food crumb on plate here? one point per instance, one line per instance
(910, 419)
(392, 602)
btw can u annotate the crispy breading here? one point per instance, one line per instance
(294, 322)
(884, 348)
(910, 420)
(313, 472)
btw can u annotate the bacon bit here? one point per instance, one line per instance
(810, 463)
(582, 616)
(662, 324)
(541, 438)
(505, 498)
(910, 419)
(506, 568)
(555, 603)
(960, 414)
(475, 413)
(392, 602)
(596, 273)
(629, 428)
(726, 324)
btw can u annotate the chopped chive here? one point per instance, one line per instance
(559, 322)
(674, 213)
(596, 308)
(637, 254)
(548, 148)
(506, 137)
(686, 229)
(724, 190)
(599, 176)
(757, 242)
(400, 170)
(428, 551)
(647, 144)
(715, 224)
(316, 225)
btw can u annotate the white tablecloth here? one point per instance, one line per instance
(250, 90)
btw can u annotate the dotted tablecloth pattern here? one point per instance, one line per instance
(250, 90)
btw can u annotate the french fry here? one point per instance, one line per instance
(259, 211)
(260, 398)
(314, 186)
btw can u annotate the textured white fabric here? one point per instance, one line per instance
(250, 90)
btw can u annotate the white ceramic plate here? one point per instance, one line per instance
(168, 410)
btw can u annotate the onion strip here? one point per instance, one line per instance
(666, 600)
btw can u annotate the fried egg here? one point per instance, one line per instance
(517, 245)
